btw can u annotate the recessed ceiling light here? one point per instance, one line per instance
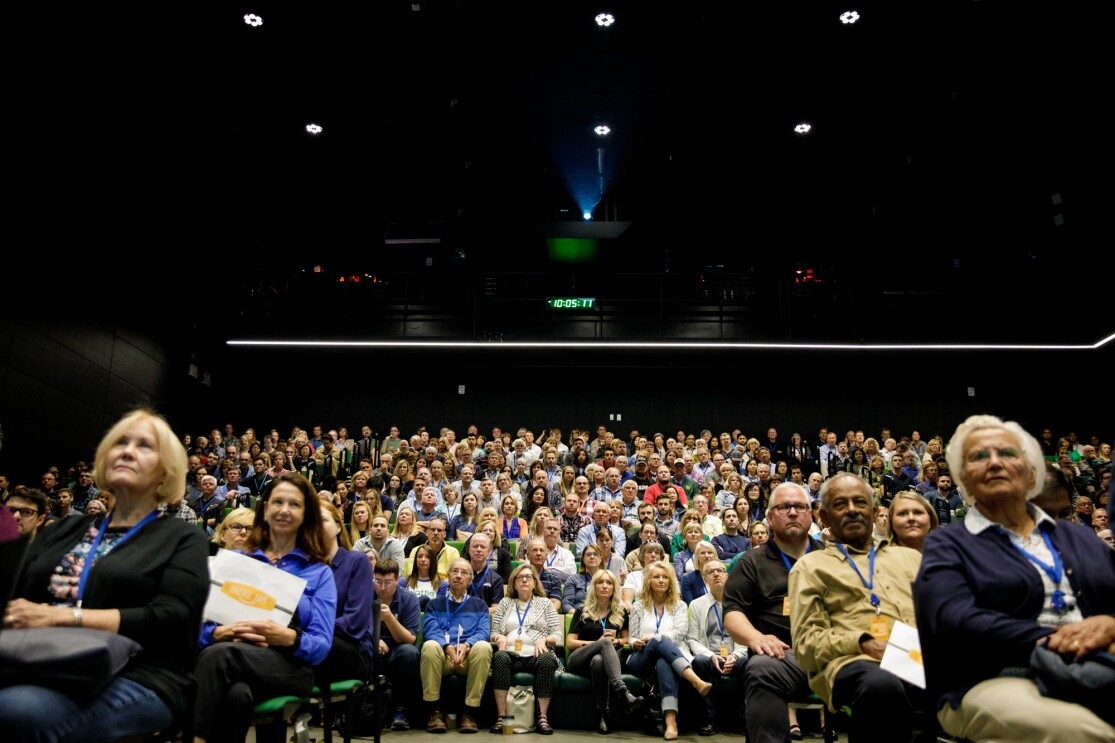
(803, 128)
(253, 20)
(313, 128)
(602, 130)
(605, 19)
(849, 17)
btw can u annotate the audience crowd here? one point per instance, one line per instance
(676, 555)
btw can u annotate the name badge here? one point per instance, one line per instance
(518, 645)
(879, 628)
(786, 606)
(723, 650)
(447, 640)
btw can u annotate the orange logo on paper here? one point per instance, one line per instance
(249, 595)
(915, 656)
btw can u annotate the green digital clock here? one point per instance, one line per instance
(571, 303)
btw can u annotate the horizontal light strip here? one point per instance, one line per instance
(679, 345)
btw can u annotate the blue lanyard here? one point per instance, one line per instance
(97, 543)
(719, 623)
(1055, 571)
(871, 567)
(550, 562)
(472, 587)
(449, 615)
(522, 615)
(658, 618)
(808, 547)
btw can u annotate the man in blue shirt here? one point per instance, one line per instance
(456, 630)
(399, 621)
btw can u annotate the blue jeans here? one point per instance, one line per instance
(35, 714)
(663, 656)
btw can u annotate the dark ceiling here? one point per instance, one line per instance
(958, 163)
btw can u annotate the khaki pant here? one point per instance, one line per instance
(435, 666)
(1012, 709)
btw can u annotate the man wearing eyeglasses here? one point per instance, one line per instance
(435, 540)
(757, 616)
(30, 508)
(399, 618)
(715, 653)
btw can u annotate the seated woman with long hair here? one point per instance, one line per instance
(510, 525)
(406, 529)
(361, 516)
(536, 496)
(911, 519)
(353, 640)
(244, 662)
(596, 634)
(464, 524)
(649, 553)
(659, 624)
(575, 590)
(423, 580)
(692, 534)
(537, 526)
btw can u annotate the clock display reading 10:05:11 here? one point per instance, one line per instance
(570, 303)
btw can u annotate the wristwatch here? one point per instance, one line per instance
(78, 616)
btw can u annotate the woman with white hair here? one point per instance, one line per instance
(1007, 580)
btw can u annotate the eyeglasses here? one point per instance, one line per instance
(524, 576)
(24, 512)
(714, 571)
(784, 507)
(237, 527)
(384, 582)
(434, 530)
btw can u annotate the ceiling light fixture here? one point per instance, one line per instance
(253, 20)
(657, 346)
(849, 17)
(313, 129)
(605, 19)
(803, 128)
(602, 130)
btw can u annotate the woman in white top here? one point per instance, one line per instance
(525, 628)
(659, 623)
(648, 554)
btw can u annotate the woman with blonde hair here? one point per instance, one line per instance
(510, 525)
(232, 533)
(597, 632)
(677, 542)
(911, 519)
(659, 625)
(361, 521)
(499, 559)
(406, 529)
(537, 527)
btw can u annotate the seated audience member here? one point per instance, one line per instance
(30, 508)
(600, 521)
(910, 519)
(525, 629)
(597, 632)
(659, 625)
(379, 538)
(693, 535)
(423, 580)
(443, 554)
(149, 584)
(550, 581)
(487, 582)
(693, 583)
(399, 618)
(715, 653)
(244, 662)
(649, 553)
(499, 559)
(456, 629)
(575, 589)
(757, 616)
(731, 542)
(354, 649)
(233, 531)
(1005, 581)
(844, 601)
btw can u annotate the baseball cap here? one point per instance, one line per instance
(640, 459)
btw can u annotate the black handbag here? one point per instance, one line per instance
(78, 661)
